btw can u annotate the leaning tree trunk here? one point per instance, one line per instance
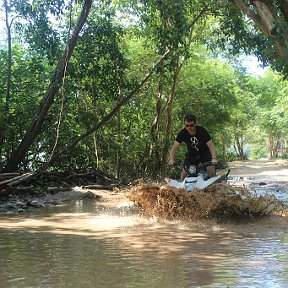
(35, 128)
(168, 128)
(154, 150)
(265, 17)
(118, 149)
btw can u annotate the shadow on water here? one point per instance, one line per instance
(85, 245)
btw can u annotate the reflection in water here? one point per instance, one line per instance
(89, 246)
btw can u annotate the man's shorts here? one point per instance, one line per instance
(202, 157)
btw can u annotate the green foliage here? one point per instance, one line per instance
(235, 33)
(112, 56)
(98, 61)
(30, 74)
(232, 32)
(209, 87)
(258, 152)
(33, 22)
(284, 156)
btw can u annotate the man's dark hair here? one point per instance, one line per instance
(190, 118)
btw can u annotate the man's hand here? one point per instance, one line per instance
(171, 162)
(214, 161)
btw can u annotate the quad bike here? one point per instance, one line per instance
(198, 177)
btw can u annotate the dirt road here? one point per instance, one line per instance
(264, 170)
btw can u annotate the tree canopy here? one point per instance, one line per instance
(105, 84)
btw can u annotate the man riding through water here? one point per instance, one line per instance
(200, 148)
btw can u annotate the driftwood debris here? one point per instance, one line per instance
(9, 175)
(18, 179)
(98, 187)
(44, 181)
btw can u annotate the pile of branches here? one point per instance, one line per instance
(52, 182)
(221, 201)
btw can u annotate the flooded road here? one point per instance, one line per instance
(85, 245)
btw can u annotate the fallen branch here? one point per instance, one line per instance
(98, 187)
(17, 179)
(9, 175)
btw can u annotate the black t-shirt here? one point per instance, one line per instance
(197, 143)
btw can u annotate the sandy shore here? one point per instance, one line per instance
(262, 170)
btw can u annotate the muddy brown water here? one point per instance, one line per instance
(86, 244)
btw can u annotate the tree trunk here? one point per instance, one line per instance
(238, 146)
(169, 118)
(95, 149)
(9, 72)
(284, 9)
(118, 152)
(155, 124)
(35, 128)
(223, 145)
(154, 151)
(270, 146)
(9, 68)
(266, 19)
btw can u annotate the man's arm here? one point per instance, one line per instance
(212, 149)
(173, 152)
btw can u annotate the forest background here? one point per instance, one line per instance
(104, 85)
